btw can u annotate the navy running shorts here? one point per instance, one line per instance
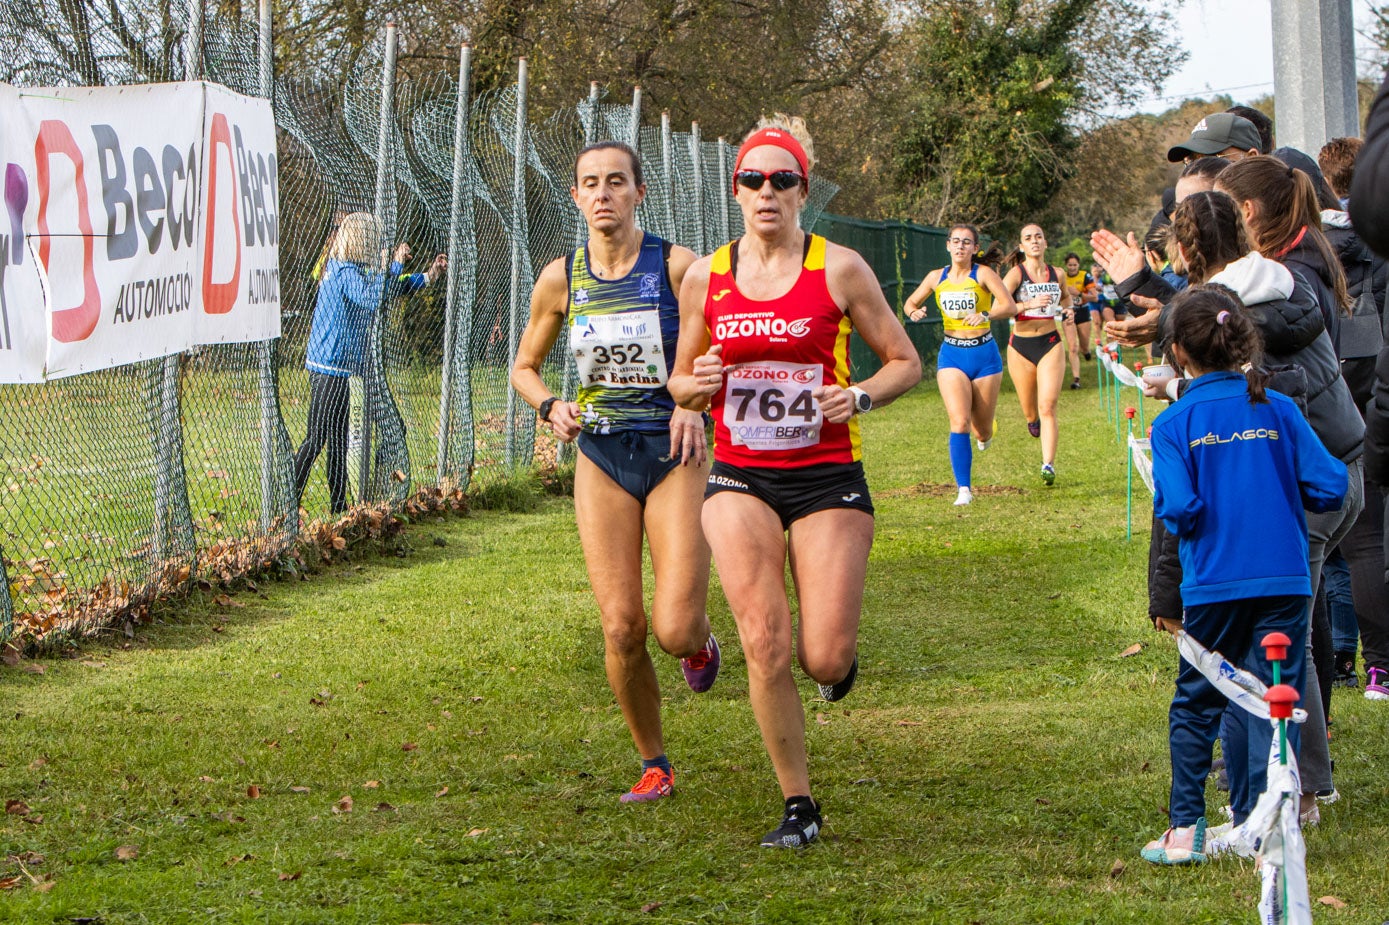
(636, 461)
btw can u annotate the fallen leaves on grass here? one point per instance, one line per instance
(253, 792)
(343, 805)
(384, 808)
(409, 746)
(372, 784)
(651, 907)
(1132, 650)
(299, 790)
(443, 792)
(16, 808)
(474, 833)
(294, 876)
(127, 853)
(1333, 902)
(1118, 868)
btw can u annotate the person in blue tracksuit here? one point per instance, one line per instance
(349, 293)
(1234, 467)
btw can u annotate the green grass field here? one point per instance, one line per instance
(999, 761)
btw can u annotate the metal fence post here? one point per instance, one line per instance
(668, 174)
(265, 350)
(570, 387)
(697, 156)
(385, 226)
(462, 258)
(634, 129)
(519, 237)
(193, 42)
(171, 508)
(723, 191)
(6, 605)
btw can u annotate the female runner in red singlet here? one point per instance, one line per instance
(1034, 363)
(764, 344)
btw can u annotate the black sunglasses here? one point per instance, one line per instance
(782, 180)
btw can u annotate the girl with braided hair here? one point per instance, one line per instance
(1226, 435)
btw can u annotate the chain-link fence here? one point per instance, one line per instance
(391, 374)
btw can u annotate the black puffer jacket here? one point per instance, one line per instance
(1306, 261)
(1364, 268)
(1294, 335)
(1369, 190)
(1377, 425)
(1284, 308)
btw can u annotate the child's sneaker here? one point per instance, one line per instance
(1376, 684)
(1049, 474)
(800, 825)
(1185, 845)
(654, 784)
(964, 497)
(1225, 841)
(703, 667)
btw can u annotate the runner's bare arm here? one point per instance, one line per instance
(549, 303)
(698, 372)
(854, 287)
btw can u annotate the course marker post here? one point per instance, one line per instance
(1128, 413)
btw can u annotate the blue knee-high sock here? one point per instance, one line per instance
(961, 457)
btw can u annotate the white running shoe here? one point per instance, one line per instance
(964, 497)
(984, 444)
(1224, 841)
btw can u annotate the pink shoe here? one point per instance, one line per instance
(703, 667)
(654, 784)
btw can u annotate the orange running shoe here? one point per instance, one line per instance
(654, 784)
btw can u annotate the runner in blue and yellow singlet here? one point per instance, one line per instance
(642, 461)
(969, 368)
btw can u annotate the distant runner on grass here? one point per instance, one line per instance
(969, 367)
(642, 460)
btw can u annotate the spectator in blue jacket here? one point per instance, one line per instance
(1232, 461)
(349, 293)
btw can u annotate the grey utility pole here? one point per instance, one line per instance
(1314, 72)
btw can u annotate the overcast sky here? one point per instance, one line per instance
(1242, 67)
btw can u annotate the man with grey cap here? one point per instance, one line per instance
(1222, 134)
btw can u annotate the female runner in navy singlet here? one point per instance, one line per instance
(641, 463)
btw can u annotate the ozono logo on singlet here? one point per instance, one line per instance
(802, 376)
(761, 327)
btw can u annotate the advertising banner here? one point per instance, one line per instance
(141, 221)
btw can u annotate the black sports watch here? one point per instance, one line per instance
(863, 402)
(543, 412)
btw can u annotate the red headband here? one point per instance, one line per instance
(777, 138)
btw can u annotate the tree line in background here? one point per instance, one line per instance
(987, 111)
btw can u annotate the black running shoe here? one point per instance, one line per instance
(1345, 671)
(840, 689)
(800, 824)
